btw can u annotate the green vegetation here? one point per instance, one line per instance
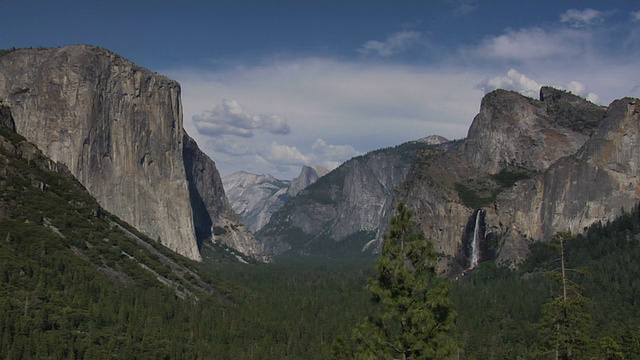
(415, 318)
(500, 310)
(479, 194)
(473, 198)
(507, 177)
(73, 284)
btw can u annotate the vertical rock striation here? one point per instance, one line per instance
(256, 197)
(594, 184)
(118, 128)
(213, 216)
(344, 209)
(513, 131)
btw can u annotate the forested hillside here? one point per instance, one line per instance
(500, 311)
(75, 282)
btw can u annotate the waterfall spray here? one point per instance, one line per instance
(475, 244)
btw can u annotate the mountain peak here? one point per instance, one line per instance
(255, 197)
(512, 130)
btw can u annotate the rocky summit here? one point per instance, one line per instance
(527, 169)
(256, 197)
(118, 128)
(342, 211)
(530, 168)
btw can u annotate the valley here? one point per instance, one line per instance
(120, 239)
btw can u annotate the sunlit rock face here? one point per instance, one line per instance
(594, 184)
(344, 209)
(118, 128)
(256, 197)
(512, 130)
(579, 161)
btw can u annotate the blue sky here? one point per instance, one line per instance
(268, 86)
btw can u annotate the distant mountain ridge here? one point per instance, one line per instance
(255, 197)
(343, 210)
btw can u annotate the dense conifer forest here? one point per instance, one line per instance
(74, 285)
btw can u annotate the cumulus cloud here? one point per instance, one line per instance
(580, 89)
(279, 155)
(331, 156)
(514, 81)
(580, 18)
(394, 44)
(229, 118)
(518, 82)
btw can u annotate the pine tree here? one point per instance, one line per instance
(566, 324)
(417, 318)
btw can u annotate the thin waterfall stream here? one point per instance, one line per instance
(475, 244)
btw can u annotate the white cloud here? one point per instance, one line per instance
(331, 156)
(394, 44)
(580, 89)
(516, 81)
(229, 118)
(513, 81)
(635, 15)
(366, 106)
(224, 144)
(274, 124)
(580, 18)
(279, 154)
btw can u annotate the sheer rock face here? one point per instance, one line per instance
(213, 216)
(429, 190)
(592, 185)
(255, 197)
(350, 202)
(582, 162)
(118, 128)
(308, 175)
(513, 131)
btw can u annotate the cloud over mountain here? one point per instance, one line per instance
(518, 82)
(229, 118)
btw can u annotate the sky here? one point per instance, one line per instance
(269, 86)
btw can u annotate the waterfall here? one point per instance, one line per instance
(475, 244)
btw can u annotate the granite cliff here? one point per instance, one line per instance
(118, 128)
(256, 197)
(527, 169)
(593, 185)
(343, 210)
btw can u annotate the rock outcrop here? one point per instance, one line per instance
(527, 169)
(256, 197)
(533, 167)
(593, 185)
(213, 216)
(308, 175)
(343, 210)
(118, 128)
(513, 131)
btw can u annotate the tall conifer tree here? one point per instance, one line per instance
(565, 327)
(416, 319)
